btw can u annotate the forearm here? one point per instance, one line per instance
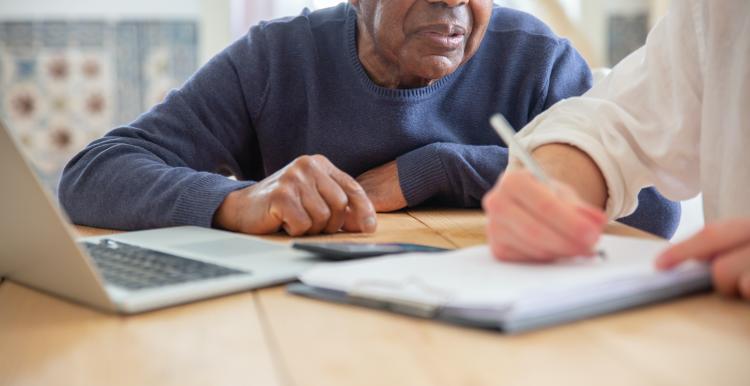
(116, 186)
(163, 168)
(575, 168)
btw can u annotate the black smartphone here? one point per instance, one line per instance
(349, 250)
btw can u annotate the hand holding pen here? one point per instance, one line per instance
(532, 217)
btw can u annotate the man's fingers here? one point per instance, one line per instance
(337, 201)
(317, 209)
(288, 207)
(713, 240)
(361, 208)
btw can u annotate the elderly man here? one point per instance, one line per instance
(396, 92)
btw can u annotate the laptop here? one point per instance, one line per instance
(128, 272)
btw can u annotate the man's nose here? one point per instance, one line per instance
(451, 3)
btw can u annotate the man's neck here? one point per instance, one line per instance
(379, 69)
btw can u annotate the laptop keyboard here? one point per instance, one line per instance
(137, 268)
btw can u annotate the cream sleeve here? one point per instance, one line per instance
(640, 124)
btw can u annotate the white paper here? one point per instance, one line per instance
(472, 278)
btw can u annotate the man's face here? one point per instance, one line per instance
(424, 39)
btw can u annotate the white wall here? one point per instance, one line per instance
(215, 27)
(107, 9)
(213, 15)
(246, 13)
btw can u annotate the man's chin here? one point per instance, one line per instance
(434, 67)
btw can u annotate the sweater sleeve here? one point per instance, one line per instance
(169, 166)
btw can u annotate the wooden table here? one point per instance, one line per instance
(268, 337)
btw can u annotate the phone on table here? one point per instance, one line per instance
(349, 250)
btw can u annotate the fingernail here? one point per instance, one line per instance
(370, 222)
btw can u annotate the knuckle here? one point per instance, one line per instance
(282, 194)
(306, 162)
(319, 159)
(339, 203)
(292, 176)
(354, 187)
(321, 213)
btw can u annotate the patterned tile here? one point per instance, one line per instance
(65, 83)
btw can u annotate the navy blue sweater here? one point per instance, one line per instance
(295, 86)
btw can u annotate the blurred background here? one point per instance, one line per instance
(72, 69)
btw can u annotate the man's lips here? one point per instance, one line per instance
(445, 36)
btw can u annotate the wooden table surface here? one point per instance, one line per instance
(268, 337)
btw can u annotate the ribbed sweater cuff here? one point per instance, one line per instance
(197, 204)
(421, 175)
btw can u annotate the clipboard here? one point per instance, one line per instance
(421, 295)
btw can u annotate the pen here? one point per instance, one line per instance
(503, 129)
(508, 135)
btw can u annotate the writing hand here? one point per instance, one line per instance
(529, 221)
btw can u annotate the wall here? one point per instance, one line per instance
(212, 15)
(111, 9)
(246, 13)
(71, 69)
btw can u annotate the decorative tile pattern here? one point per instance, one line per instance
(63, 83)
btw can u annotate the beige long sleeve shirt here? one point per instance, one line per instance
(675, 114)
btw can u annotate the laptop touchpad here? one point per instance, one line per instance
(229, 247)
